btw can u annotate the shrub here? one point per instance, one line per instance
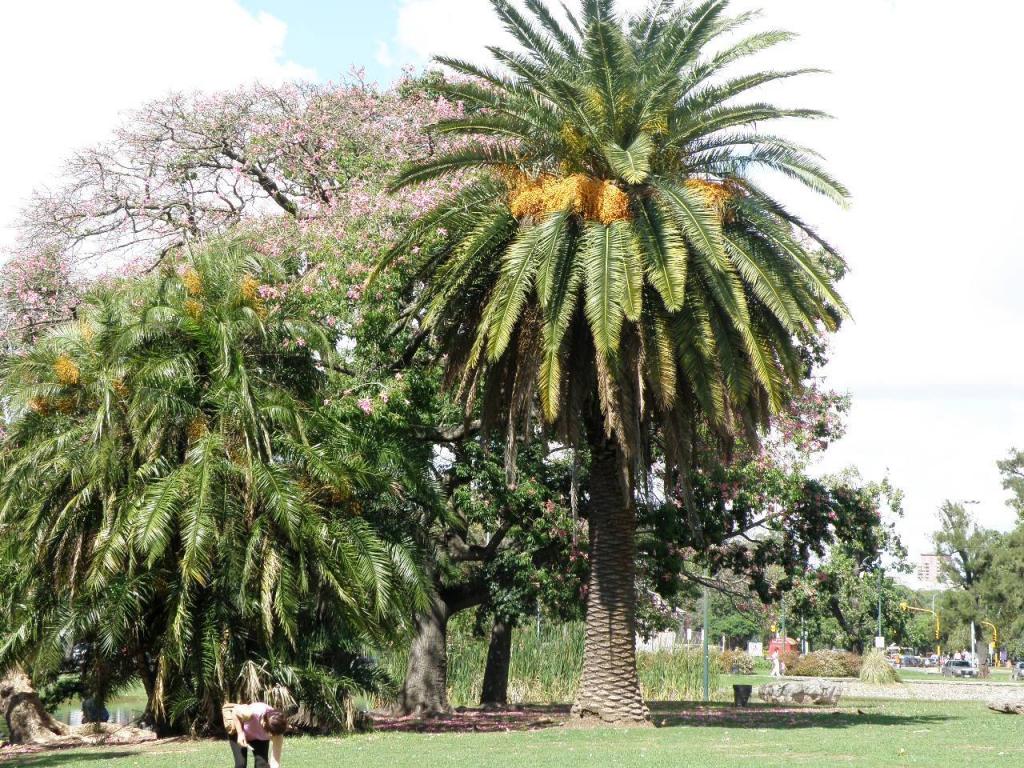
(877, 671)
(735, 663)
(790, 660)
(825, 664)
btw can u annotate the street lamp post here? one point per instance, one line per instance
(707, 656)
(785, 646)
(881, 572)
(868, 561)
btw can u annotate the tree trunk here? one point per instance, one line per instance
(27, 721)
(425, 690)
(981, 648)
(499, 656)
(853, 637)
(609, 687)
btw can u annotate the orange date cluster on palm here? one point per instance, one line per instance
(595, 199)
(589, 198)
(66, 371)
(718, 196)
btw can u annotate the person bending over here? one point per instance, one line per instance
(258, 727)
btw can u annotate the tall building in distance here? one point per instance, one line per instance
(929, 572)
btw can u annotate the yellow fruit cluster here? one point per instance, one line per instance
(197, 428)
(717, 196)
(66, 371)
(45, 406)
(193, 309)
(193, 282)
(250, 289)
(592, 199)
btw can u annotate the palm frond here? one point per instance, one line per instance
(632, 164)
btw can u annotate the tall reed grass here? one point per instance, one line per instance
(546, 664)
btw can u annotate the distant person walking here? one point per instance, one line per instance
(259, 727)
(776, 664)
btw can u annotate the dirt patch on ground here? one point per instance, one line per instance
(523, 718)
(666, 714)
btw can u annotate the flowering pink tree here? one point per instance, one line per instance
(300, 161)
(36, 289)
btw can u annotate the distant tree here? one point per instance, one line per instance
(1000, 589)
(738, 620)
(836, 598)
(965, 552)
(1012, 470)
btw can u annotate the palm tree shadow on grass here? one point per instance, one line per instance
(672, 714)
(62, 758)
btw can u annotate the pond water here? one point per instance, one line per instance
(71, 713)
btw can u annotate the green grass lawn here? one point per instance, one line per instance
(881, 733)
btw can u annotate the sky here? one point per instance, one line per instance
(923, 94)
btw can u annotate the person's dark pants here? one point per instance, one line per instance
(260, 750)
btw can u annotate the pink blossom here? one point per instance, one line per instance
(366, 406)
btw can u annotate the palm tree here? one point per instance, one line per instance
(171, 494)
(611, 252)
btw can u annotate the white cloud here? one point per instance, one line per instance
(925, 116)
(384, 57)
(459, 28)
(71, 67)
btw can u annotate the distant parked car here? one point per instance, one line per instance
(1018, 671)
(959, 668)
(912, 661)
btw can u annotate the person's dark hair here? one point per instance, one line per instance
(275, 722)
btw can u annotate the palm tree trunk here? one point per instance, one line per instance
(499, 656)
(609, 687)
